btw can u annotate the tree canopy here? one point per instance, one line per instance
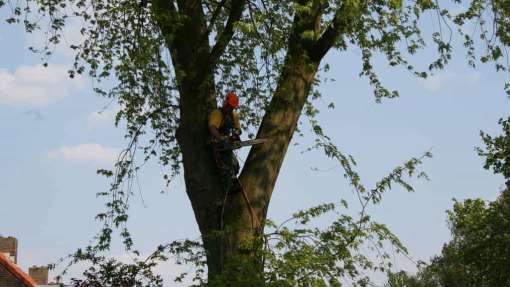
(134, 44)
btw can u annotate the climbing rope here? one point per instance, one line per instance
(254, 218)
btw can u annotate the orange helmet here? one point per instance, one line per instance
(231, 100)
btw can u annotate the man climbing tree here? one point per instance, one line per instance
(225, 128)
(171, 59)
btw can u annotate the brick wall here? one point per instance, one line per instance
(9, 245)
(39, 274)
(7, 279)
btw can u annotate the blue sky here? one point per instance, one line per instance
(53, 140)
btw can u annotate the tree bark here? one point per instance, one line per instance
(278, 125)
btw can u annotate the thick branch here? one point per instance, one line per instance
(236, 11)
(306, 26)
(263, 164)
(329, 37)
(343, 18)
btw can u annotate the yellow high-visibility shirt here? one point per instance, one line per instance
(216, 119)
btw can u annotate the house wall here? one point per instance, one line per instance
(39, 274)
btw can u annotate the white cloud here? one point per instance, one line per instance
(36, 85)
(439, 81)
(84, 153)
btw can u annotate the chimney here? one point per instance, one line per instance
(39, 274)
(9, 246)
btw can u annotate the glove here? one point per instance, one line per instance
(224, 142)
(236, 136)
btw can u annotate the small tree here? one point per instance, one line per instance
(478, 254)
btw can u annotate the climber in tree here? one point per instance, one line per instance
(225, 128)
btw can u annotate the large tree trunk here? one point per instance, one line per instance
(193, 61)
(235, 243)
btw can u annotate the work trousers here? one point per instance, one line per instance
(228, 166)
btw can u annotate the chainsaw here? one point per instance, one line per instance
(239, 144)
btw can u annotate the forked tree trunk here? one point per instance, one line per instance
(191, 58)
(258, 176)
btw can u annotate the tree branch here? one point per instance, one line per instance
(343, 18)
(236, 11)
(165, 5)
(329, 37)
(215, 15)
(162, 9)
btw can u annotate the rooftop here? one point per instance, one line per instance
(16, 271)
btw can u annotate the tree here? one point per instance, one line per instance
(479, 250)
(477, 255)
(170, 61)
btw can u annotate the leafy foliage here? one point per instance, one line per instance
(478, 255)
(122, 40)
